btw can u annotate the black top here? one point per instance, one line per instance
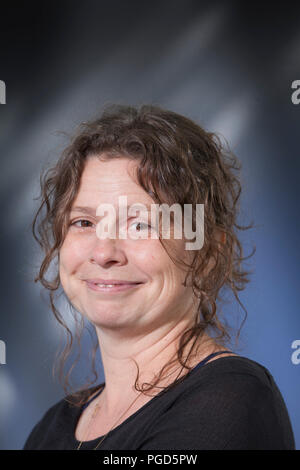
(230, 403)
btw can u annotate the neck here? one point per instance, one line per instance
(151, 351)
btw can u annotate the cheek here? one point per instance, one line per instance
(64, 266)
(160, 265)
(71, 256)
(152, 259)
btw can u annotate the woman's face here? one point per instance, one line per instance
(160, 297)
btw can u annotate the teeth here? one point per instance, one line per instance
(107, 285)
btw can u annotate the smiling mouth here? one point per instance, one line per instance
(112, 287)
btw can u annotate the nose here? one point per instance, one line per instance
(106, 252)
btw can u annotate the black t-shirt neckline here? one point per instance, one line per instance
(93, 442)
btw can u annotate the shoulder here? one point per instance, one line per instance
(48, 420)
(233, 381)
(57, 419)
(233, 372)
(236, 387)
(230, 403)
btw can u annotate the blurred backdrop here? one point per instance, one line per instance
(227, 66)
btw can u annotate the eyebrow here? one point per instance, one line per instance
(92, 211)
(85, 209)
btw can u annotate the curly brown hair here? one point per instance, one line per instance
(178, 162)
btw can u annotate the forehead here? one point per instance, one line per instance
(106, 180)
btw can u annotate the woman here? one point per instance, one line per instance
(171, 380)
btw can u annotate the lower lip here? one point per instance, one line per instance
(114, 289)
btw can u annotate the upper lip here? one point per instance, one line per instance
(111, 281)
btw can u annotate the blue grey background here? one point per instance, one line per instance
(229, 67)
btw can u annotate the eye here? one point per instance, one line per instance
(84, 221)
(143, 224)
